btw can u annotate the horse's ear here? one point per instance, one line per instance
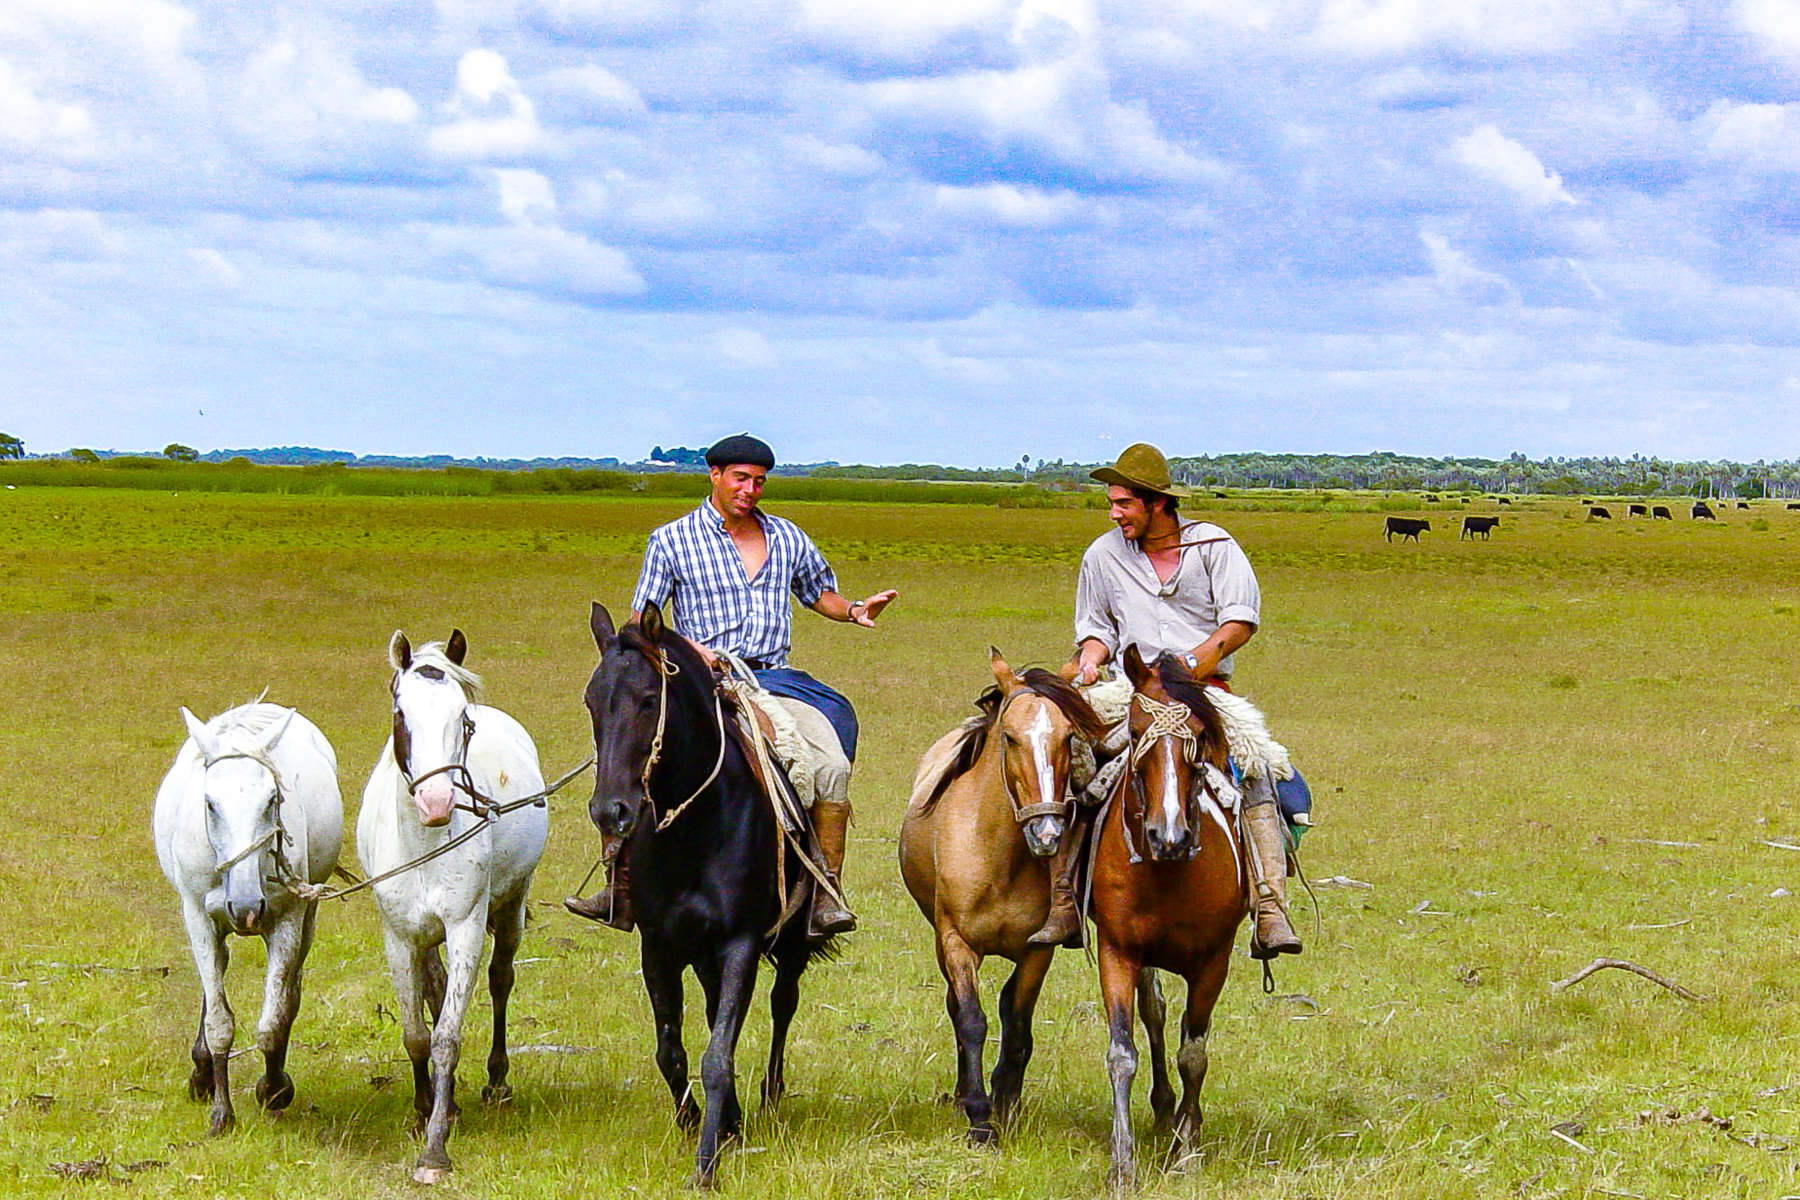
(197, 730)
(399, 651)
(651, 622)
(1136, 669)
(457, 647)
(276, 730)
(601, 623)
(1003, 674)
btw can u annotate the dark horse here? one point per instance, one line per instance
(1169, 891)
(673, 780)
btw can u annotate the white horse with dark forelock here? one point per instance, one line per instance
(248, 815)
(449, 760)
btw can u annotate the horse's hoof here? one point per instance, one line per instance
(702, 1181)
(276, 1096)
(771, 1096)
(1122, 1180)
(430, 1175)
(222, 1121)
(496, 1093)
(983, 1135)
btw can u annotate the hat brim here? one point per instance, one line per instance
(1110, 475)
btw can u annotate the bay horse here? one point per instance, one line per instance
(249, 809)
(705, 857)
(1169, 891)
(449, 759)
(974, 851)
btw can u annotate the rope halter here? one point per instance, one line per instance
(278, 836)
(1166, 720)
(668, 670)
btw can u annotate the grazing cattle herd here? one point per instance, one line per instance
(1409, 528)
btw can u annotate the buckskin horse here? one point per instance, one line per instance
(988, 809)
(706, 860)
(1169, 891)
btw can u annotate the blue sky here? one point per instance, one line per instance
(944, 230)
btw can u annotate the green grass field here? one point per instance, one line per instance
(1502, 736)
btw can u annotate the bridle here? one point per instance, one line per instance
(667, 670)
(461, 780)
(1167, 719)
(277, 837)
(1023, 812)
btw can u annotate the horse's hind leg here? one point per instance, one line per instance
(1154, 1015)
(1018, 1001)
(217, 1025)
(288, 943)
(662, 981)
(784, 998)
(735, 981)
(1190, 1059)
(509, 930)
(962, 999)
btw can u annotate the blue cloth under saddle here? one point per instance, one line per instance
(798, 685)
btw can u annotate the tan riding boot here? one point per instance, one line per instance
(1062, 924)
(611, 905)
(1268, 872)
(831, 826)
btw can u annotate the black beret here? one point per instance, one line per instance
(741, 448)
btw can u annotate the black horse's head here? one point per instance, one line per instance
(644, 672)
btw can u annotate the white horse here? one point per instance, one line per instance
(250, 809)
(449, 756)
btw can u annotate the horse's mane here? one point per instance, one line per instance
(1184, 688)
(432, 654)
(1038, 681)
(253, 719)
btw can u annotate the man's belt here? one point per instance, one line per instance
(757, 664)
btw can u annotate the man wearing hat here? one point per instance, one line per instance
(730, 568)
(1183, 588)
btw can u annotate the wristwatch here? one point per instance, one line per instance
(1193, 664)
(850, 613)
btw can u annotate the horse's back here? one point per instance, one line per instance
(308, 767)
(504, 761)
(918, 828)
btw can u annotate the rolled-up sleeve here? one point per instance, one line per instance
(1094, 617)
(1234, 585)
(813, 576)
(656, 581)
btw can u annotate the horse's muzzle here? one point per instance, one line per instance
(1164, 848)
(246, 919)
(613, 817)
(1043, 835)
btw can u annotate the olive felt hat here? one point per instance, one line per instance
(1141, 466)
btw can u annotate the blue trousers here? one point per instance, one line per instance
(798, 685)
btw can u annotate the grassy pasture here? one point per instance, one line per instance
(1499, 733)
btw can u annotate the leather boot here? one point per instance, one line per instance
(1268, 872)
(831, 824)
(1063, 925)
(611, 905)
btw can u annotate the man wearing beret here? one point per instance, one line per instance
(730, 568)
(1184, 588)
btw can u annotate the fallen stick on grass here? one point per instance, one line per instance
(1780, 845)
(1600, 964)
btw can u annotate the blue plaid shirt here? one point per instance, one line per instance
(693, 561)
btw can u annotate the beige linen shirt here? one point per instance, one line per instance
(1120, 602)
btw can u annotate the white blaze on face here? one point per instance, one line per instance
(1170, 800)
(1037, 736)
(433, 711)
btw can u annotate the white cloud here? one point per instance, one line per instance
(1762, 138)
(493, 118)
(305, 105)
(1492, 155)
(597, 93)
(900, 30)
(538, 258)
(1774, 23)
(525, 196)
(1486, 26)
(1007, 204)
(210, 265)
(1459, 278)
(744, 348)
(29, 122)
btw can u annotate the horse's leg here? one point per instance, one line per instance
(1154, 1015)
(662, 980)
(1018, 1001)
(509, 929)
(962, 999)
(432, 980)
(288, 943)
(735, 982)
(217, 1026)
(1118, 991)
(463, 942)
(406, 965)
(1203, 992)
(200, 1081)
(784, 998)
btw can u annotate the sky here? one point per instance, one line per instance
(950, 231)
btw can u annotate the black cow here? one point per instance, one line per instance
(1661, 513)
(1218, 495)
(1703, 513)
(1406, 527)
(1430, 499)
(1504, 500)
(1795, 504)
(1637, 510)
(1475, 525)
(1598, 513)
(1741, 504)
